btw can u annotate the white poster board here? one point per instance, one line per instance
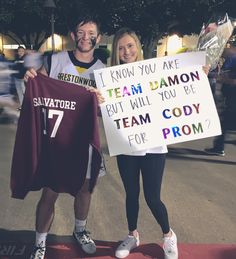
(155, 102)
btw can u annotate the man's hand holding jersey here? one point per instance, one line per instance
(31, 73)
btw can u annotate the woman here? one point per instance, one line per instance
(151, 163)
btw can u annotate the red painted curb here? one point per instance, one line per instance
(106, 250)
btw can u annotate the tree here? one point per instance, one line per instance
(153, 19)
(26, 22)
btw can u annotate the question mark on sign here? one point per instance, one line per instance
(208, 122)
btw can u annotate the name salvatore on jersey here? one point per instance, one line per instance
(54, 103)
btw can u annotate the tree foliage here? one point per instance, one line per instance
(28, 22)
(153, 19)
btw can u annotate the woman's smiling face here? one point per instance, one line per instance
(128, 50)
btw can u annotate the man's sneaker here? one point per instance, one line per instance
(126, 246)
(86, 243)
(38, 252)
(214, 151)
(170, 246)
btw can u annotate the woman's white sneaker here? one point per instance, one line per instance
(170, 246)
(126, 246)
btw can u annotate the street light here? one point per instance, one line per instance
(50, 5)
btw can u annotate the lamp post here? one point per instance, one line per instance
(50, 5)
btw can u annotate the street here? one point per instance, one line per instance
(199, 191)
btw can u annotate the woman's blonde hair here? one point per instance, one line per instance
(115, 60)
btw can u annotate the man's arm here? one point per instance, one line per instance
(36, 64)
(229, 81)
(31, 73)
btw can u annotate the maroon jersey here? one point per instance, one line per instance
(57, 124)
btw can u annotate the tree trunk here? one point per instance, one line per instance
(150, 46)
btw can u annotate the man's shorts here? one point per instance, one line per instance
(102, 171)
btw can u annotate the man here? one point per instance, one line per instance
(75, 66)
(19, 62)
(19, 67)
(228, 81)
(8, 105)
